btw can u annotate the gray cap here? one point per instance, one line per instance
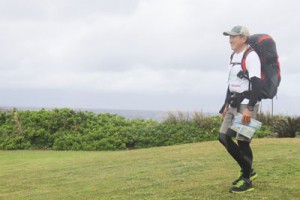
(237, 30)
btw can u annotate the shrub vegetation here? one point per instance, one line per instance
(67, 129)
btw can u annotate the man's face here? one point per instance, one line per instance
(237, 42)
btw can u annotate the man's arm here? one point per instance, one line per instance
(253, 67)
(255, 92)
(254, 98)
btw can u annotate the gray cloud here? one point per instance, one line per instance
(167, 48)
(64, 10)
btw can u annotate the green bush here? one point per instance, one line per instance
(287, 126)
(14, 143)
(66, 129)
(68, 141)
(263, 132)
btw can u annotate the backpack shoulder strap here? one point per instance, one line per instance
(244, 67)
(231, 57)
(246, 53)
(233, 63)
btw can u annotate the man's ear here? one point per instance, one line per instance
(245, 38)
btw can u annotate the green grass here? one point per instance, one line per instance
(191, 171)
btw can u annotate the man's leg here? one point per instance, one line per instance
(247, 156)
(244, 183)
(232, 148)
(226, 134)
(244, 146)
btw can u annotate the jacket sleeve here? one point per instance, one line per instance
(255, 92)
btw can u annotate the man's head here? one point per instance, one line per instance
(238, 38)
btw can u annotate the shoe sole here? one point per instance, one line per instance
(239, 192)
(253, 177)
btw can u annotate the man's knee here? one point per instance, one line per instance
(226, 138)
(223, 138)
(231, 133)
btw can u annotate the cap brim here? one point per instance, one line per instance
(227, 33)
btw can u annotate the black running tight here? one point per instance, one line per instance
(241, 152)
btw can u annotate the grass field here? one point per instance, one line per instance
(191, 171)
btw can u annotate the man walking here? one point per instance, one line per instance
(243, 95)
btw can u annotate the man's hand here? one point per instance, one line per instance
(246, 116)
(224, 112)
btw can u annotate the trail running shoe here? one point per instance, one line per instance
(253, 176)
(242, 186)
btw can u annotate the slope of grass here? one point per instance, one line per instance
(191, 171)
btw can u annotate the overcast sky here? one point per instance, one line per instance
(136, 54)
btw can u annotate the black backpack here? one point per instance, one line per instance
(265, 47)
